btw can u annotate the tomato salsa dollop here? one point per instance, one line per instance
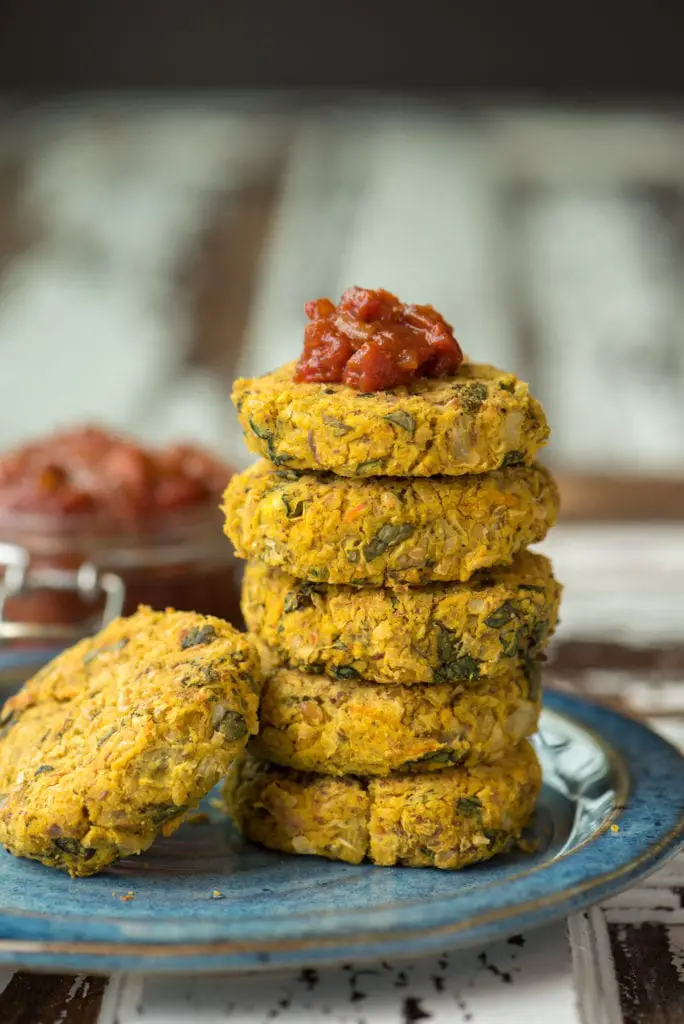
(371, 341)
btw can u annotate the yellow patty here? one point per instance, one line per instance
(112, 742)
(476, 421)
(437, 633)
(447, 819)
(327, 528)
(348, 727)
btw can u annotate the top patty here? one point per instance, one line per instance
(114, 740)
(479, 420)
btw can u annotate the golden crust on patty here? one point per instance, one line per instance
(479, 420)
(438, 633)
(350, 727)
(327, 528)
(113, 741)
(447, 819)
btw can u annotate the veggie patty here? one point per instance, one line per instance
(327, 528)
(478, 420)
(447, 819)
(347, 726)
(438, 633)
(116, 739)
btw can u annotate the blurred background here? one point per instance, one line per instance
(175, 182)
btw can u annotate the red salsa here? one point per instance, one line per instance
(372, 341)
(94, 473)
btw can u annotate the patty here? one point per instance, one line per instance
(479, 420)
(348, 727)
(438, 633)
(448, 819)
(118, 737)
(327, 528)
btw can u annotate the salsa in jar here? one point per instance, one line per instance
(148, 518)
(371, 341)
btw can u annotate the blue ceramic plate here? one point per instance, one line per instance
(276, 911)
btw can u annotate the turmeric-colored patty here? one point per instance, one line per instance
(447, 819)
(118, 737)
(350, 727)
(327, 528)
(479, 420)
(438, 633)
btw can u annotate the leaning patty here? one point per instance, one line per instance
(118, 737)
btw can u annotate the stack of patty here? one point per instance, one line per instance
(400, 614)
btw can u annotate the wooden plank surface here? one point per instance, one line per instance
(649, 982)
(52, 999)
(607, 498)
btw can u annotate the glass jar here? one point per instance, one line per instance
(71, 574)
(92, 525)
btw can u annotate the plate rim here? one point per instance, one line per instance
(658, 761)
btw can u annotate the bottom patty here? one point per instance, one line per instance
(448, 819)
(350, 727)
